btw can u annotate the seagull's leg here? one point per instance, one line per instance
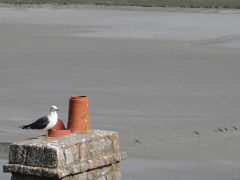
(46, 136)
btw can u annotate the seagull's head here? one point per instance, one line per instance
(54, 108)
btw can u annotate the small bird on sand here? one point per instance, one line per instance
(45, 123)
(196, 132)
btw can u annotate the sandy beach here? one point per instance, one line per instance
(167, 80)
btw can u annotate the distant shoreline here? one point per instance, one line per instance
(232, 4)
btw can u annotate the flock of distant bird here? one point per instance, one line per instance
(220, 130)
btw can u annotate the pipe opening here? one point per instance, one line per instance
(77, 97)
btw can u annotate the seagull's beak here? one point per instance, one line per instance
(57, 109)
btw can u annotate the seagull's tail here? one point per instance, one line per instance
(24, 127)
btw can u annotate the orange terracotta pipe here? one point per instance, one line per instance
(78, 114)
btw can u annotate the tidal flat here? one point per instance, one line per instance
(167, 80)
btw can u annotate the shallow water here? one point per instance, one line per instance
(154, 76)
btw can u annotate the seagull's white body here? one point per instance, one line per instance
(53, 118)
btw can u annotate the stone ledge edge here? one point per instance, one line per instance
(106, 159)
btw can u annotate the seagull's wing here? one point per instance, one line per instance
(41, 123)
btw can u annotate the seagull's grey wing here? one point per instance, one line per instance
(40, 123)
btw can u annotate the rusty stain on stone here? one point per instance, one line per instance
(113, 136)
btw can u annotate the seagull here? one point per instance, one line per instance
(46, 122)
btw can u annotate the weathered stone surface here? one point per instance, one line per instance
(33, 155)
(110, 172)
(65, 156)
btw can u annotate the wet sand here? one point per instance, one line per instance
(166, 80)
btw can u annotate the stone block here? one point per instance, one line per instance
(90, 155)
